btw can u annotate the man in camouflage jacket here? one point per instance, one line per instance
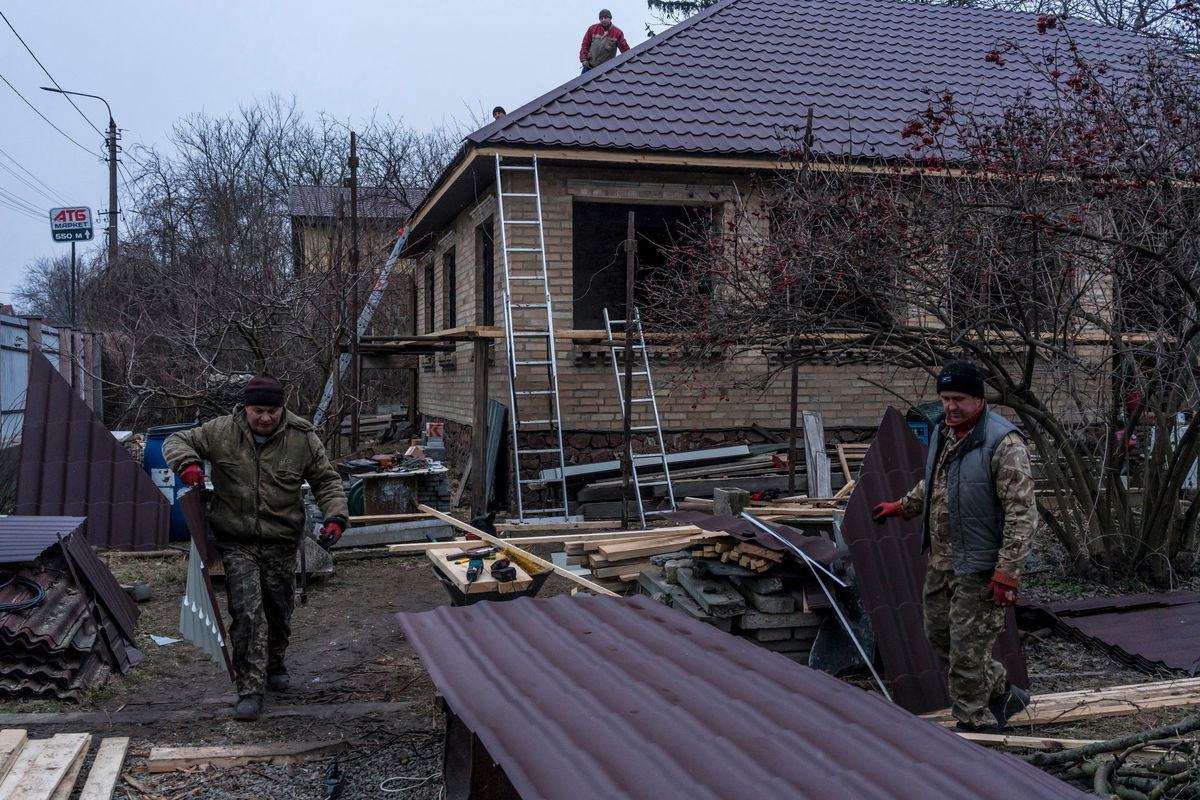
(979, 517)
(260, 455)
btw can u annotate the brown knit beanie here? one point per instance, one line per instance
(263, 390)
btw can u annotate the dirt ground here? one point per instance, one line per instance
(348, 649)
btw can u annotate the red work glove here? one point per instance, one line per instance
(192, 475)
(330, 534)
(1003, 589)
(884, 510)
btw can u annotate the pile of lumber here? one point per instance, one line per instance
(48, 769)
(820, 471)
(765, 596)
(616, 564)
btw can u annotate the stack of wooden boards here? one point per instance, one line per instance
(616, 564)
(48, 769)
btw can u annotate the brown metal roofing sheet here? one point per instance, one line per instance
(71, 465)
(739, 78)
(603, 698)
(891, 573)
(113, 599)
(1146, 631)
(25, 538)
(200, 618)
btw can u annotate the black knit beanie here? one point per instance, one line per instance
(961, 376)
(604, 12)
(263, 390)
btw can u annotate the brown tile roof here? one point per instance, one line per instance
(600, 698)
(739, 78)
(891, 573)
(72, 466)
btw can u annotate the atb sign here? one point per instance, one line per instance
(71, 224)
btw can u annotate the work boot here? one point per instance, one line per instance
(279, 681)
(967, 727)
(248, 708)
(1009, 704)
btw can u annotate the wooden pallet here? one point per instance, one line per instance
(48, 769)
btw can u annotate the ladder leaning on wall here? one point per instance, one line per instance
(529, 335)
(643, 408)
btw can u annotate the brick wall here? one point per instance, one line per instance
(730, 395)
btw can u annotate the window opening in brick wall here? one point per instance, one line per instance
(430, 297)
(599, 253)
(485, 290)
(449, 290)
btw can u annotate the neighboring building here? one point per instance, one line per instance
(674, 130)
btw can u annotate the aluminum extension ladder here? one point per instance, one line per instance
(643, 407)
(529, 334)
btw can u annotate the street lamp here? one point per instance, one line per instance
(111, 141)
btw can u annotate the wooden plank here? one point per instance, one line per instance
(462, 482)
(496, 540)
(641, 535)
(67, 786)
(539, 527)
(43, 774)
(11, 742)
(167, 759)
(816, 462)
(1092, 703)
(479, 429)
(106, 769)
(21, 764)
(621, 570)
(626, 550)
(457, 573)
(841, 453)
(372, 519)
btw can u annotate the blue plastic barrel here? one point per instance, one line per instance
(167, 481)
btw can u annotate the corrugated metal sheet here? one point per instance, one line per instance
(25, 538)
(891, 573)
(374, 202)
(1147, 631)
(117, 612)
(603, 698)
(55, 649)
(72, 466)
(200, 619)
(740, 78)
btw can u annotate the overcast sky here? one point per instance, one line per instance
(155, 61)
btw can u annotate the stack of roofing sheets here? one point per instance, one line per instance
(1150, 632)
(63, 617)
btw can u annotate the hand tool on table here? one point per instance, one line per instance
(482, 552)
(474, 567)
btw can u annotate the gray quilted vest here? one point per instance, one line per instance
(976, 516)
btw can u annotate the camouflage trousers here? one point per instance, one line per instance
(962, 624)
(260, 582)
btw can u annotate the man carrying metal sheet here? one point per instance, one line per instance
(260, 456)
(979, 515)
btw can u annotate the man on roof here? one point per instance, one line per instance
(260, 456)
(601, 42)
(977, 506)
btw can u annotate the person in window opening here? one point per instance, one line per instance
(601, 42)
(977, 506)
(260, 456)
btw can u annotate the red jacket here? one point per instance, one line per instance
(613, 32)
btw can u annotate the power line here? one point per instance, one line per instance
(43, 116)
(44, 190)
(48, 75)
(19, 209)
(13, 197)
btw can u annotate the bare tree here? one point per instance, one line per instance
(207, 289)
(1057, 244)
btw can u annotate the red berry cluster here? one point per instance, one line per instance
(1045, 22)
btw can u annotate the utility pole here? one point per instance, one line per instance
(111, 142)
(355, 365)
